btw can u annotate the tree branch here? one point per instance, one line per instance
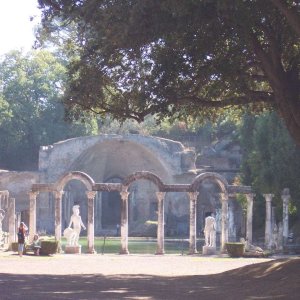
(265, 60)
(292, 16)
(251, 97)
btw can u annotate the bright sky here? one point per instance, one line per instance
(16, 29)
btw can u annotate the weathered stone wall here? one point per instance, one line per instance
(106, 156)
(18, 184)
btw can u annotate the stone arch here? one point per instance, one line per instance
(143, 175)
(77, 175)
(220, 180)
(122, 156)
(223, 185)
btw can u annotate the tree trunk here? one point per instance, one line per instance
(288, 103)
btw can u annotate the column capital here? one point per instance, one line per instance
(4, 193)
(124, 195)
(268, 197)
(223, 196)
(160, 195)
(33, 195)
(285, 199)
(250, 196)
(285, 195)
(58, 194)
(285, 192)
(91, 194)
(193, 195)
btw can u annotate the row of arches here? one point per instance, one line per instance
(122, 188)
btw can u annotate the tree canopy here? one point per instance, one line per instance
(31, 86)
(172, 58)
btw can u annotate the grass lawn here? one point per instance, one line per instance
(136, 245)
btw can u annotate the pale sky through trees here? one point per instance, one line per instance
(16, 29)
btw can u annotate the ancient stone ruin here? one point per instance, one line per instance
(123, 182)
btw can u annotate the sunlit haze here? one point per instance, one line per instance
(16, 29)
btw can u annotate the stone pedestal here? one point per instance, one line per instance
(73, 249)
(208, 250)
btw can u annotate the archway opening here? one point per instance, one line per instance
(111, 207)
(74, 194)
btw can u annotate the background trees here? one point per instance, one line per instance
(271, 161)
(180, 58)
(31, 87)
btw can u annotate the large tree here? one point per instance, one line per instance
(173, 57)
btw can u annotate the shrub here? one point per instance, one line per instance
(48, 247)
(14, 246)
(235, 249)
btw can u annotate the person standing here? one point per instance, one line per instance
(21, 237)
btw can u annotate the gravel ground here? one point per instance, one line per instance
(147, 277)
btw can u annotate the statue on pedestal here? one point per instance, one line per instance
(210, 231)
(72, 234)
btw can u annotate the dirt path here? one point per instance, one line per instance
(147, 277)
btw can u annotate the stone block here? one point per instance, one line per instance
(73, 249)
(207, 250)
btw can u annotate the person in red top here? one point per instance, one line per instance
(21, 237)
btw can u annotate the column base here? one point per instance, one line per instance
(73, 249)
(92, 251)
(208, 250)
(124, 251)
(160, 252)
(194, 251)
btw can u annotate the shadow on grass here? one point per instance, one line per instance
(271, 280)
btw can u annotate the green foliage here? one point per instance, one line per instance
(31, 87)
(14, 246)
(271, 160)
(235, 249)
(48, 247)
(176, 59)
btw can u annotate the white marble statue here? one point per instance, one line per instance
(2, 215)
(210, 231)
(72, 234)
(251, 248)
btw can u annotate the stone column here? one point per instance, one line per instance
(58, 200)
(285, 196)
(11, 221)
(224, 218)
(124, 222)
(90, 225)
(249, 217)
(268, 228)
(193, 224)
(160, 226)
(32, 214)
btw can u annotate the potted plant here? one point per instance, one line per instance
(235, 249)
